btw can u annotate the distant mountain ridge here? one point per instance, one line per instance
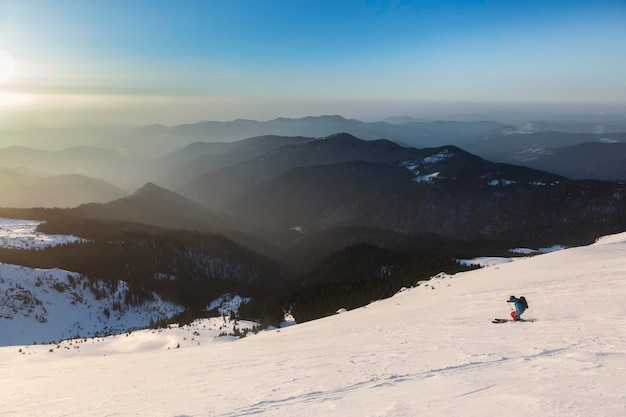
(24, 190)
(589, 160)
(574, 155)
(343, 181)
(165, 154)
(502, 141)
(158, 140)
(192, 161)
(216, 189)
(441, 190)
(157, 206)
(123, 171)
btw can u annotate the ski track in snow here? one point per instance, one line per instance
(428, 351)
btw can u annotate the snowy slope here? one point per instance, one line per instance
(43, 305)
(22, 234)
(428, 351)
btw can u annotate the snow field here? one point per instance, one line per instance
(22, 234)
(428, 351)
(42, 305)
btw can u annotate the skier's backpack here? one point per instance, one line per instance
(523, 301)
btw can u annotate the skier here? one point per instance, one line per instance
(518, 307)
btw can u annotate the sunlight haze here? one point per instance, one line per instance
(141, 62)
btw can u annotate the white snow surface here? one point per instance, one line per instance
(427, 177)
(494, 183)
(416, 165)
(43, 305)
(22, 234)
(228, 303)
(487, 261)
(430, 350)
(608, 140)
(524, 129)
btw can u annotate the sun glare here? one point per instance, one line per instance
(7, 66)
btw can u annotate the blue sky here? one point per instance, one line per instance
(178, 61)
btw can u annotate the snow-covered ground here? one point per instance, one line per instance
(22, 234)
(497, 260)
(42, 305)
(428, 351)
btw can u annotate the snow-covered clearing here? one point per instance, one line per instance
(22, 234)
(428, 351)
(416, 165)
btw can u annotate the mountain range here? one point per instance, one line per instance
(343, 181)
(338, 218)
(158, 140)
(573, 155)
(175, 157)
(27, 188)
(595, 160)
(120, 170)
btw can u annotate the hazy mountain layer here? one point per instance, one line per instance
(598, 156)
(218, 189)
(19, 190)
(158, 140)
(187, 164)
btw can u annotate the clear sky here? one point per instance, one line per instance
(135, 61)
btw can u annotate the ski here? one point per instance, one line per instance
(510, 320)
